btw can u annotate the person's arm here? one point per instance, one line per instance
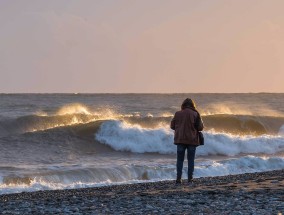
(199, 123)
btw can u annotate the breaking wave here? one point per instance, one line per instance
(134, 138)
(71, 130)
(66, 116)
(74, 114)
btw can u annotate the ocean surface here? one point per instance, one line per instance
(62, 141)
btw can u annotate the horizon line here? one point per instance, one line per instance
(142, 93)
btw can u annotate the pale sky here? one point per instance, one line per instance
(141, 46)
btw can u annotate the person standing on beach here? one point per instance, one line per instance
(186, 124)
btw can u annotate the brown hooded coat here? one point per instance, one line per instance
(186, 123)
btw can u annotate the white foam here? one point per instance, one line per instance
(92, 177)
(124, 137)
(241, 165)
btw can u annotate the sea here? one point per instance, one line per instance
(66, 141)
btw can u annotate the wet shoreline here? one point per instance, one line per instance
(251, 193)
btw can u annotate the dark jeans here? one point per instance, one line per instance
(190, 158)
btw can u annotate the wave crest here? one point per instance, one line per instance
(124, 137)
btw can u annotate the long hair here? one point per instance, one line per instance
(188, 103)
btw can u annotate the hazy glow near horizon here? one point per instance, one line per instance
(131, 46)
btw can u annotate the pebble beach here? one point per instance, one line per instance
(250, 193)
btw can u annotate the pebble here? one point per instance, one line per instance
(214, 195)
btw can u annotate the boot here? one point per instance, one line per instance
(190, 178)
(178, 180)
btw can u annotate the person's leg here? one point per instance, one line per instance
(190, 159)
(180, 159)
